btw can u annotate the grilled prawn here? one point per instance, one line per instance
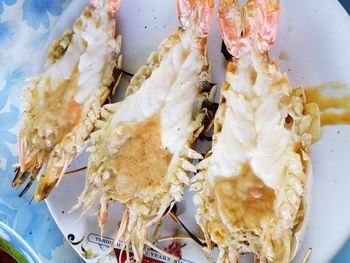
(61, 105)
(252, 187)
(141, 153)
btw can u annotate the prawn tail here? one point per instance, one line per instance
(196, 14)
(257, 21)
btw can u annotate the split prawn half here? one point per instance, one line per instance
(141, 153)
(61, 105)
(253, 186)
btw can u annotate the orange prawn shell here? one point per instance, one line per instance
(112, 5)
(192, 13)
(258, 19)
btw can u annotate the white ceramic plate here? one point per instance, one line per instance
(316, 36)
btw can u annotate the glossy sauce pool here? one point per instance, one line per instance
(327, 101)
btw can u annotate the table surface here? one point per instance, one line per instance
(33, 221)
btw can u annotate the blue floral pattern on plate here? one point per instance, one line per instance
(37, 12)
(7, 32)
(6, 2)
